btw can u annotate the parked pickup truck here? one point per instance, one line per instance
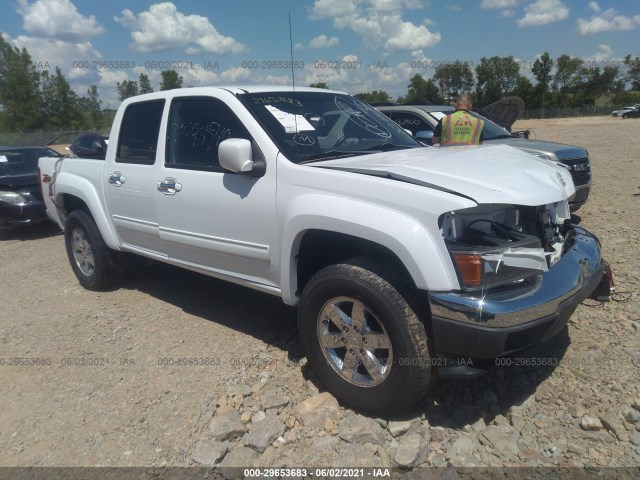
(402, 259)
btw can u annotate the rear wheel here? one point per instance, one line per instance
(96, 266)
(362, 338)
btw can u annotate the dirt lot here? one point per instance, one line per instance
(101, 393)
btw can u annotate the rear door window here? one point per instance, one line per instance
(139, 132)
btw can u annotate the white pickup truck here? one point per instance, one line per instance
(402, 259)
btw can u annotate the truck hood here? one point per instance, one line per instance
(560, 150)
(485, 174)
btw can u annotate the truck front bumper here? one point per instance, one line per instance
(497, 323)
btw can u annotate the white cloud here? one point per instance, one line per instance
(379, 22)
(163, 27)
(298, 46)
(236, 74)
(606, 22)
(507, 13)
(321, 41)
(57, 19)
(333, 8)
(604, 54)
(495, 4)
(594, 7)
(543, 12)
(410, 37)
(76, 60)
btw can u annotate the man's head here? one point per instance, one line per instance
(463, 102)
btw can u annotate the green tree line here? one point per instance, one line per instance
(566, 82)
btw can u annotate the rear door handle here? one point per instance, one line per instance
(116, 179)
(169, 186)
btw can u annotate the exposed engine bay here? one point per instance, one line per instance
(501, 244)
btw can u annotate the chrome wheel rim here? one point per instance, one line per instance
(354, 341)
(82, 252)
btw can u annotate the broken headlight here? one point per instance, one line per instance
(490, 246)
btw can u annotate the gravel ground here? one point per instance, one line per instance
(101, 392)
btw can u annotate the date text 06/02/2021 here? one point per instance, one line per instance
(301, 472)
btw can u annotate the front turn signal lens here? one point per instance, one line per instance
(470, 267)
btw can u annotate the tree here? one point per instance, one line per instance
(145, 84)
(454, 78)
(128, 88)
(170, 80)
(374, 97)
(600, 82)
(320, 85)
(542, 71)
(568, 77)
(422, 91)
(60, 105)
(527, 92)
(20, 99)
(496, 77)
(91, 106)
(633, 71)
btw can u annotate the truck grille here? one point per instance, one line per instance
(580, 170)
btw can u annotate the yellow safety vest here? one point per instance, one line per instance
(461, 128)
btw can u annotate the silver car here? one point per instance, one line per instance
(421, 120)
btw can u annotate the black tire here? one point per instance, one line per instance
(386, 313)
(96, 266)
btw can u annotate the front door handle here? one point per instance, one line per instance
(169, 186)
(116, 179)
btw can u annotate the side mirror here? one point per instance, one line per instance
(425, 136)
(235, 155)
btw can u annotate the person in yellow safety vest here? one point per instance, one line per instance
(459, 128)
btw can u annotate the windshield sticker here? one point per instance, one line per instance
(268, 100)
(362, 119)
(314, 119)
(304, 140)
(437, 115)
(3, 158)
(292, 123)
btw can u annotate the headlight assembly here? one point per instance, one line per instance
(11, 197)
(490, 245)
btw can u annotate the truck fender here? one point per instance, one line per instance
(422, 254)
(69, 184)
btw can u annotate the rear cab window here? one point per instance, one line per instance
(139, 133)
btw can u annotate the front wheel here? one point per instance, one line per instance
(95, 265)
(363, 340)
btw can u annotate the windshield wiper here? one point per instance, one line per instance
(332, 155)
(388, 146)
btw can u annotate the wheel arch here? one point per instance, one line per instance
(81, 194)
(310, 239)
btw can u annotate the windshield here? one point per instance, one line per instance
(22, 161)
(311, 126)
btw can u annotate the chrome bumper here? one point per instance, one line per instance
(499, 322)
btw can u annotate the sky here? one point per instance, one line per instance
(351, 45)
